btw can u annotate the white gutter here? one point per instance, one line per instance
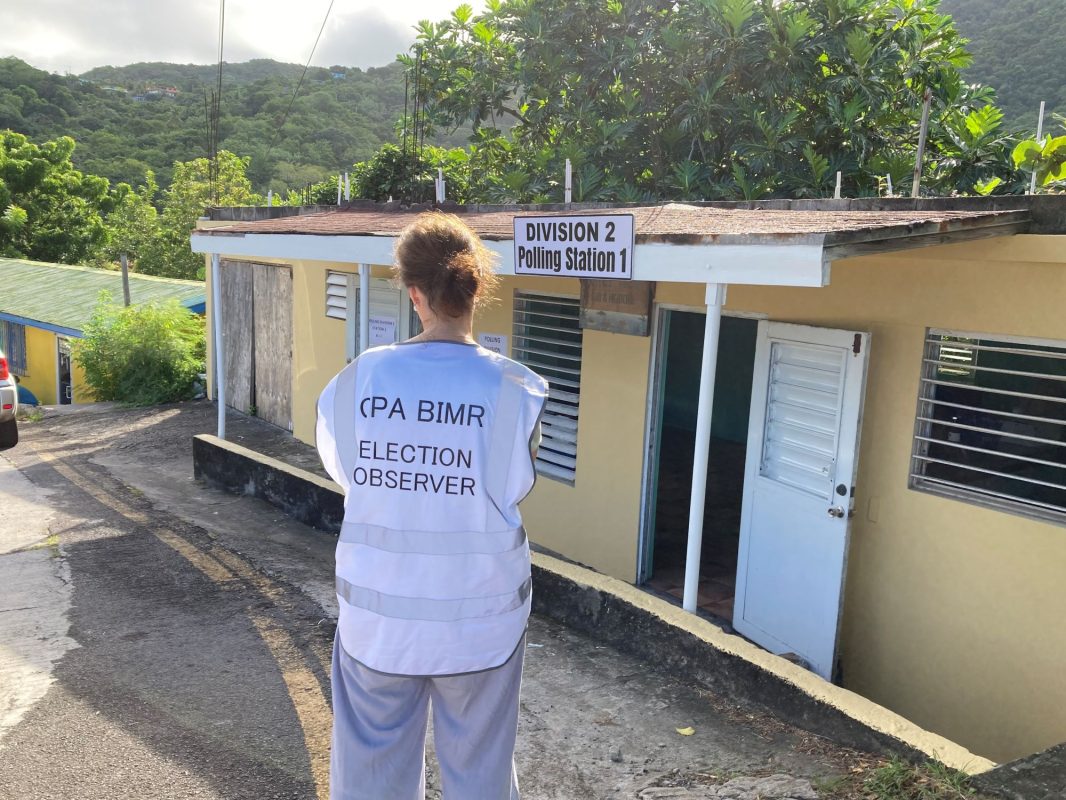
(796, 264)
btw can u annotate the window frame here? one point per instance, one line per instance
(344, 288)
(15, 350)
(998, 501)
(560, 473)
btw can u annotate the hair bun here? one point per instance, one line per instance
(440, 255)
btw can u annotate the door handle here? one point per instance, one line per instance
(837, 512)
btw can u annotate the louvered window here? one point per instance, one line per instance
(992, 422)
(803, 405)
(337, 293)
(547, 339)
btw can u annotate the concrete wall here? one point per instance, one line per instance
(953, 613)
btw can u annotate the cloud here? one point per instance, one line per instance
(61, 35)
(75, 35)
(368, 39)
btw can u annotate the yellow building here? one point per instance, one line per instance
(44, 306)
(839, 429)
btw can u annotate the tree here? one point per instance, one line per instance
(720, 98)
(1046, 158)
(409, 176)
(49, 211)
(184, 201)
(133, 225)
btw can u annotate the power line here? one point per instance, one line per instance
(214, 112)
(299, 83)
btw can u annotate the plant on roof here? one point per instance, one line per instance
(141, 355)
(409, 175)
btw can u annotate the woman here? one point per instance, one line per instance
(431, 440)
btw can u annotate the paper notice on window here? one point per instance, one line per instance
(496, 342)
(382, 331)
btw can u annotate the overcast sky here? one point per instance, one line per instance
(77, 35)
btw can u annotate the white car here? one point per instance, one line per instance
(9, 406)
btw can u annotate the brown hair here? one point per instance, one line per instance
(441, 256)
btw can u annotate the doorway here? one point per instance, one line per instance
(673, 432)
(64, 380)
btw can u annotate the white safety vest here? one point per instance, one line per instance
(431, 444)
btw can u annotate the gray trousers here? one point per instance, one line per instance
(379, 731)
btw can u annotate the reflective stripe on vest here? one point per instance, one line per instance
(436, 543)
(429, 609)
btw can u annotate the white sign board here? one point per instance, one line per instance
(595, 246)
(382, 331)
(496, 342)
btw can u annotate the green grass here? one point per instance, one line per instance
(30, 414)
(898, 780)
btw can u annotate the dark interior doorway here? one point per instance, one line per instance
(64, 379)
(678, 394)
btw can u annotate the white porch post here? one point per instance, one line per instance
(220, 357)
(715, 300)
(351, 318)
(364, 307)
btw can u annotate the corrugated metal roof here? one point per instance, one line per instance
(65, 296)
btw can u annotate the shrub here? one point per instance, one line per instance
(141, 355)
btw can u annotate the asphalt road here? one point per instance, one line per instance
(162, 640)
(192, 678)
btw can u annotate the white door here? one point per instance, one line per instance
(803, 443)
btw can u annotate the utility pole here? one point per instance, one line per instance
(125, 279)
(1039, 135)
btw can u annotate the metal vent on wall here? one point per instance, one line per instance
(336, 294)
(547, 339)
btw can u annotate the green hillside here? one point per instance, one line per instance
(125, 123)
(192, 76)
(1019, 47)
